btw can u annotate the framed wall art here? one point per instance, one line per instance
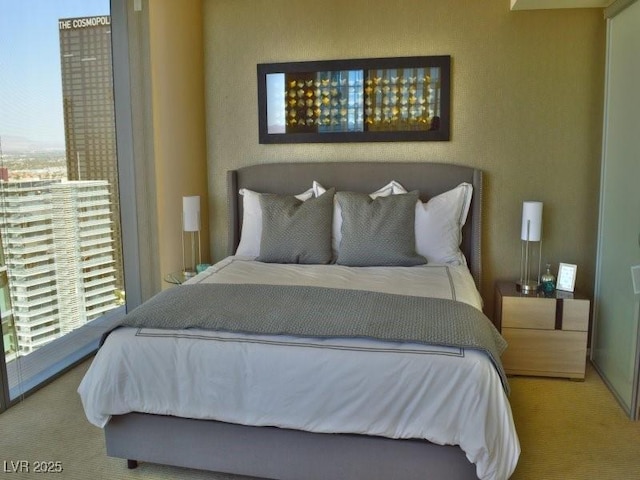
(360, 100)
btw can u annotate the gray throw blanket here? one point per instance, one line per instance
(321, 312)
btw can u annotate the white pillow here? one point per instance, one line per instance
(439, 224)
(391, 188)
(251, 235)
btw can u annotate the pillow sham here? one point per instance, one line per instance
(439, 222)
(252, 221)
(378, 231)
(390, 188)
(296, 231)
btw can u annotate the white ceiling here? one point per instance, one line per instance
(543, 4)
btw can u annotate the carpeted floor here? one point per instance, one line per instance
(573, 430)
(568, 430)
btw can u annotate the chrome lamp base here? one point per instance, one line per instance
(527, 287)
(188, 273)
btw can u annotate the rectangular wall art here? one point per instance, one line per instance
(362, 100)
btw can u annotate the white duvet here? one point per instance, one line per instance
(444, 395)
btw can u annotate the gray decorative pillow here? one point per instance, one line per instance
(294, 231)
(378, 231)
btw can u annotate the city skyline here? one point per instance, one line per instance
(31, 108)
(60, 251)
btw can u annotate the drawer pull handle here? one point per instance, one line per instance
(559, 309)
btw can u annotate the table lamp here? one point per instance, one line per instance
(531, 232)
(190, 228)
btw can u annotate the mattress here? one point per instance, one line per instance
(446, 395)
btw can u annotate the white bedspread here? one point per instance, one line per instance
(445, 395)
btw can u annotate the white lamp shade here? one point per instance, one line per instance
(531, 221)
(191, 214)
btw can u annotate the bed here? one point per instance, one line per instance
(340, 429)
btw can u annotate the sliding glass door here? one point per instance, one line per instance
(61, 255)
(615, 346)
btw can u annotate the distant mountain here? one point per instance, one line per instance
(15, 144)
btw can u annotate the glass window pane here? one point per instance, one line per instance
(61, 275)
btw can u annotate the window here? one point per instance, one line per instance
(61, 247)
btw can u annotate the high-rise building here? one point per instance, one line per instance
(57, 240)
(6, 314)
(89, 117)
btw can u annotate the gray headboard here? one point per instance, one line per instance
(430, 179)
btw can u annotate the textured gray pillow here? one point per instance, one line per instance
(378, 231)
(294, 231)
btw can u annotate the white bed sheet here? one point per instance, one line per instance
(444, 395)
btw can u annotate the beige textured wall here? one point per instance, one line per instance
(179, 141)
(526, 105)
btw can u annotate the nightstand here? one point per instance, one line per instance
(547, 336)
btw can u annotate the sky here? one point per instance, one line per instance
(30, 83)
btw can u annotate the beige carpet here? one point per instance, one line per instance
(568, 430)
(573, 430)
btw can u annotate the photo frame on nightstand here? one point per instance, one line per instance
(566, 277)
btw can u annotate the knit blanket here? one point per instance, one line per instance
(321, 312)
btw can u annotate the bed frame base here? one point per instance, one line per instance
(276, 453)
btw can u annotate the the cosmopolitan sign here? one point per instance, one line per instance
(85, 22)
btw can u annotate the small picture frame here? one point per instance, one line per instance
(566, 277)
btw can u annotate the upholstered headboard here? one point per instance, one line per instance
(430, 179)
